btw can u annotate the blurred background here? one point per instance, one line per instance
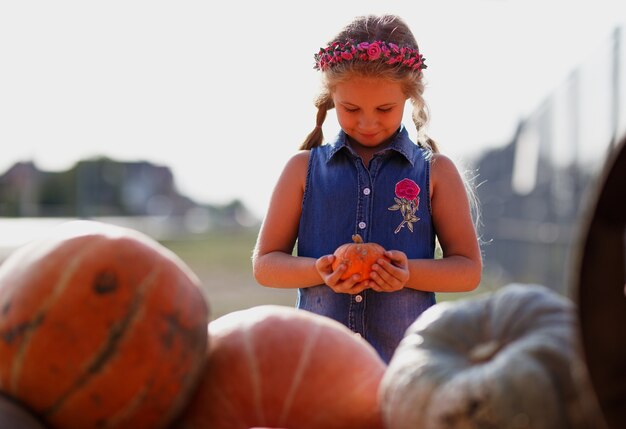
(176, 119)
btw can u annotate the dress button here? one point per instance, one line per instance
(358, 298)
(362, 225)
(367, 191)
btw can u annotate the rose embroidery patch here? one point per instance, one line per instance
(407, 200)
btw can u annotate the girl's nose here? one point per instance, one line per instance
(367, 120)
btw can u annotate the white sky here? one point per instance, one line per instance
(221, 92)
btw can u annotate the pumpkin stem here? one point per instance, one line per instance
(357, 238)
(484, 351)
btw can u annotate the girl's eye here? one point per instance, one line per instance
(351, 110)
(385, 109)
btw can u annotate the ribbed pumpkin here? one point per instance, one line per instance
(358, 257)
(100, 326)
(503, 360)
(274, 366)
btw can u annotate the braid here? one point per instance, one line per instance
(324, 103)
(420, 118)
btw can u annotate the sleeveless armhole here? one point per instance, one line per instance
(309, 174)
(428, 160)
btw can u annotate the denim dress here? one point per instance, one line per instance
(387, 203)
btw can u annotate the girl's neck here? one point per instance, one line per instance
(367, 152)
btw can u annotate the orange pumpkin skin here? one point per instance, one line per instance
(273, 366)
(100, 327)
(358, 257)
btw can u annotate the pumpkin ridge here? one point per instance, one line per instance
(191, 377)
(303, 362)
(107, 352)
(227, 409)
(20, 329)
(38, 319)
(115, 420)
(255, 377)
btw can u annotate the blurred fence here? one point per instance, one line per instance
(536, 191)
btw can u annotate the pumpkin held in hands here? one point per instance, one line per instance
(358, 257)
(281, 367)
(505, 360)
(100, 326)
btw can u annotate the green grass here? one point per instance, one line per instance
(222, 261)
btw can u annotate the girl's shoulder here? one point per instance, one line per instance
(297, 165)
(299, 159)
(444, 173)
(439, 161)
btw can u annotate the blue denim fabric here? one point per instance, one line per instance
(342, 198)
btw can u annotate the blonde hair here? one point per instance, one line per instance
(370, 28)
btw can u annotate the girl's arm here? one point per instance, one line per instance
(461, 266)
(272, 261)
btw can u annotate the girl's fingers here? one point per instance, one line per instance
(384, 276)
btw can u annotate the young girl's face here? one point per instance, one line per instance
(369, 109)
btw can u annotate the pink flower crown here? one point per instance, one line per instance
(369, 51)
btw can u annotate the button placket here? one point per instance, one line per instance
(364, 200)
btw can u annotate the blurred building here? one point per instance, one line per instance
(140, 194)
(535, 192)
(99, 187)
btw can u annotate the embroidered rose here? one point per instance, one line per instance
(408, 189)
(407, 201)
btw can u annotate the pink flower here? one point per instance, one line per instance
(390, 53)
(374, 51)
(407, 189)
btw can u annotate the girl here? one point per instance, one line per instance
(374, 181)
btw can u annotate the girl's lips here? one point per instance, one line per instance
(369, 135)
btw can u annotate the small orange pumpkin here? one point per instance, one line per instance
(100, 326)
(358, 257)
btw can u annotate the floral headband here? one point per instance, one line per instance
(369, 51)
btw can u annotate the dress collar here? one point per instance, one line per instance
(401, 143)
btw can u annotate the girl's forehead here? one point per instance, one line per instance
(368, 88)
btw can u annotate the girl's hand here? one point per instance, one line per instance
(333, 278)
(389, 276)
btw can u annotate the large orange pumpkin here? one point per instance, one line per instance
(100, 326)
(274, 366)
(358, 257)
